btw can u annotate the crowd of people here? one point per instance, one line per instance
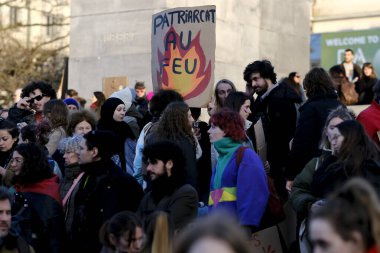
(140, 172)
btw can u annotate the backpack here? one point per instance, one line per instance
(274, 212)
(348, 94)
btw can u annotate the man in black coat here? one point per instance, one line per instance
(276, 105)
(169, 192)
(103, 191)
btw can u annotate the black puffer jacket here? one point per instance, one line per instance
(103, 191)
(308, 134)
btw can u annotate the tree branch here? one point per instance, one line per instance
(43, 59)
(61, 48)
(49, 42)
(19, 25)
(6, 3)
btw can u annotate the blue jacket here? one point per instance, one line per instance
(244, 189)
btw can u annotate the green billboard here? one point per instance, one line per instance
(365, 43)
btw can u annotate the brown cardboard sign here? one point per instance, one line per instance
(112, 84)
(183, 52)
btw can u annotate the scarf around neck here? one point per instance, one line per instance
(226, 147)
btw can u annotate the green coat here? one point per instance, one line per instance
(301, 196)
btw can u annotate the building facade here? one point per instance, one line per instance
(338, 25)
(348, 15)
(113, 38)
(37, 22)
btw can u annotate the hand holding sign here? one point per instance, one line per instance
(211, 106)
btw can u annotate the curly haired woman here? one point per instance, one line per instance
(175, 125)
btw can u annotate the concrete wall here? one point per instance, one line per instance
(109, 38)
(285, 35)
(112, 38)
(348, 15)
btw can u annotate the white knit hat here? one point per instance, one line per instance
(125, 95)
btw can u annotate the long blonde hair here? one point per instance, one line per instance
(159, 233)
(161, 240)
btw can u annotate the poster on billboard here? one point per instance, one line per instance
(365, 44)
(183, 52)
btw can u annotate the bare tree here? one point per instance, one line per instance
(29, 57)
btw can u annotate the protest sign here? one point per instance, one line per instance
(113, 84)
(183, 52)
(266, 241)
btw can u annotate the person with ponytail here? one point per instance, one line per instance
(349, 221)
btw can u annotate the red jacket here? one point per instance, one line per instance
(48, 187)
(370, 119)
(39, 215)
(373, 250)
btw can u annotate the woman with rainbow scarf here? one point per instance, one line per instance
(238, 182)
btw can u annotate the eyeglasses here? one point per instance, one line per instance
(37, 98)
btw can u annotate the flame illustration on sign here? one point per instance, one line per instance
(183, 68)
